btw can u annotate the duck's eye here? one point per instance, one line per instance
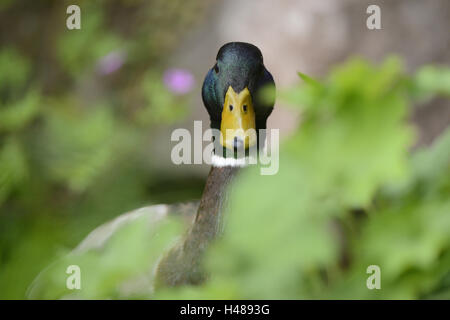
(216, 68)
(244, 107)
(231, 107)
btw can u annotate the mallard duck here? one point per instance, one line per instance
(230, 93)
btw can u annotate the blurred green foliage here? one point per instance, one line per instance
(116, 271)
(78, 109)
(348, 195)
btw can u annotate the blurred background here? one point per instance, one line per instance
(86, 115)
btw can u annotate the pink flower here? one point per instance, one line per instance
(179, 81)
(112, 62)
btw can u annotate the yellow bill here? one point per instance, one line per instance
(238, 120)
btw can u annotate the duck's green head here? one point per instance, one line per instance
(231, 94)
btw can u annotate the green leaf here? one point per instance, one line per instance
(13, 167)
(18, 114)
(123, 269)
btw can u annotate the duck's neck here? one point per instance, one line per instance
(208, 219)
(182, 264)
